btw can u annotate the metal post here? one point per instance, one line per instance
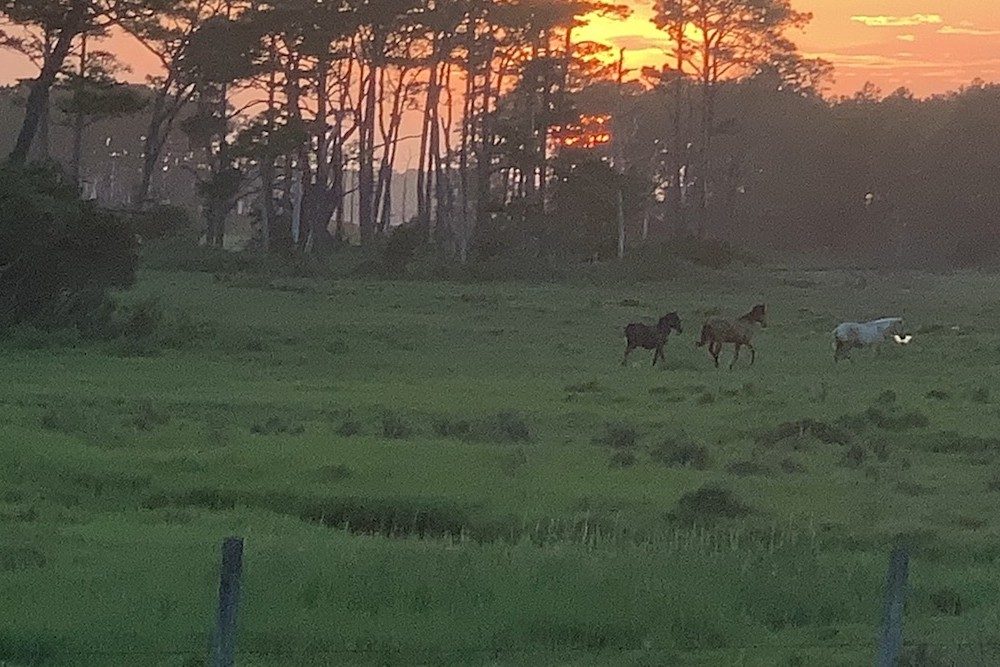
(891, 639)
(224, 638)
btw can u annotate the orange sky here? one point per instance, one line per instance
(926, 45)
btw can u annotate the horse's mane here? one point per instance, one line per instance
(885, 322)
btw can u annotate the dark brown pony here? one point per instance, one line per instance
(718, 331)
(651, 338)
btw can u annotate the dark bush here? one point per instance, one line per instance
(162, 221)
(400, 249)
(791, 466)
(707, 504)
(333, 473)
(681, 451)
(886, 398)
(993, 485)
(59, 256)
(618, 436)
(349, 427)
(277, 425)
(148, 416)
(622, 458)
(822, 431)
(506, 426)
(395, 426)
(951, 442)
(893, 419)
(447, 427)
(854, 456)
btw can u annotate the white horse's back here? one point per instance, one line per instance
(866, 333)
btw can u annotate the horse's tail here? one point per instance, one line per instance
(706, 335)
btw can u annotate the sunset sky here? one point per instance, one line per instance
(926, 45)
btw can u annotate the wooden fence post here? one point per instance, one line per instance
(891, 640)
(224, 637)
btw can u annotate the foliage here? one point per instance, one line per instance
(58, 256)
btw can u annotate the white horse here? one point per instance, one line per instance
(850, 335)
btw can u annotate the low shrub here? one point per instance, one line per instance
(277, 425)
(618, 436)
(396, 427)
(622, 458)
(681, 451)
(822, 431)
(708, 504)
(505, 426)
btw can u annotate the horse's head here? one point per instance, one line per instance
(668, 322)
(892, 326)
(759, 314)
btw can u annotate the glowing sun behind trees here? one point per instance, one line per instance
(589, 132)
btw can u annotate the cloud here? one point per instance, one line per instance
(898, 21)
(975, 32)
(906, 38)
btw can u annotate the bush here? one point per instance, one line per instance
(162, 221)
(148, 416)
(825, 433)
(709, 503)
(394, 426)
(622, 458)
(504, 426)
(349, 427)
(854, 456)
(681, 452)
(947, 601)
(277, 425)
(446, 427)
(704, 252)
(59, 256)
(618, 436)
(400, 249)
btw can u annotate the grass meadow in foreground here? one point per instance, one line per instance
(463, 473)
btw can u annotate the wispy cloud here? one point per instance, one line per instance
(906, 38)
(898, 21)
(975, 32)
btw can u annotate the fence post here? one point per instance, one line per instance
(891, 640)
(224, 637)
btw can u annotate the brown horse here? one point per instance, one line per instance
(651, 338)
(718, 331)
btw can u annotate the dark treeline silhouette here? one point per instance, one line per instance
(519, 139)
(890, 178)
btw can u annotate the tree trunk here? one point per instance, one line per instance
(37, 105)
(674, 199)
(425, 161)
(366, 158)
(79, 120)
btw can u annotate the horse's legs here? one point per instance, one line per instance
(736, 356)
(628, 349)
(658, 354)
(714, 349)
(753, 353)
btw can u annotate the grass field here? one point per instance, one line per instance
(463, 473)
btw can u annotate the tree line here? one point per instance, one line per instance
(528, 140)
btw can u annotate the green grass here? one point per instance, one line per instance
(463, 473)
